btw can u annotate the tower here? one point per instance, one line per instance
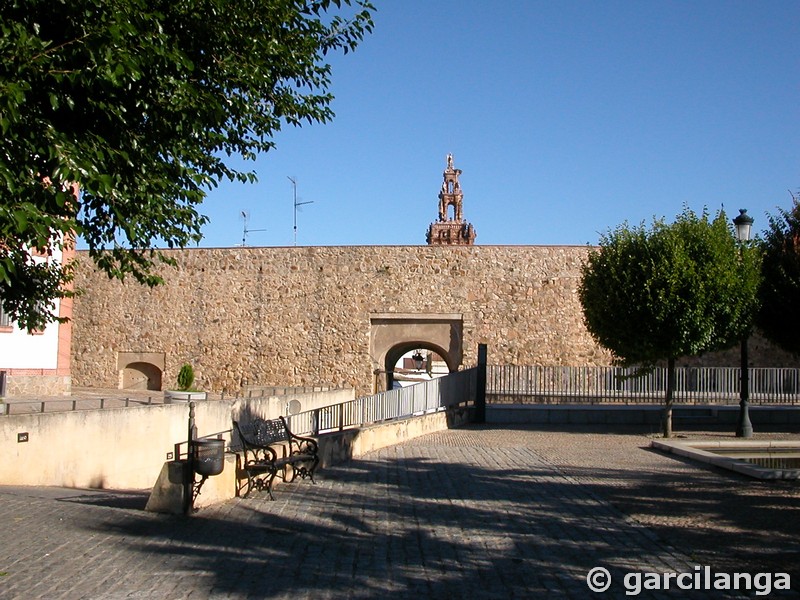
(451, 231)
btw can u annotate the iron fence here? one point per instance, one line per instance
(693, 385)
(423, 398)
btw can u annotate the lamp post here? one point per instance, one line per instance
(744, 428)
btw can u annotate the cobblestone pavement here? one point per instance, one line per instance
(479, 512)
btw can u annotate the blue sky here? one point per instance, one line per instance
(566, 118)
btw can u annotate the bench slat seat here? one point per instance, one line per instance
(261, 441)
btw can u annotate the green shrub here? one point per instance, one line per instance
(185, 377)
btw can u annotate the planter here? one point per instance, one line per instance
(175, 396)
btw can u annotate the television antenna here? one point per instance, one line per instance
(245, 231)
(296, 204)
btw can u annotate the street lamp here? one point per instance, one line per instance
(743, 223)
(744, 428)
(418, 360)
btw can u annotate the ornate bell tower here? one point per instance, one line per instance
(451, 231)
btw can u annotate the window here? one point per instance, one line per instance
(5, 321)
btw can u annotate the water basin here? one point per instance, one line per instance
(758, 459)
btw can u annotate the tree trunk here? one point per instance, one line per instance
(666, 421)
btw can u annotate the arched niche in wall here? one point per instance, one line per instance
(140, 370)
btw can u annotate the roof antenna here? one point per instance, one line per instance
(245, 231)
(296, 204)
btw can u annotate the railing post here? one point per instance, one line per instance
(188, 474)
(480, 392)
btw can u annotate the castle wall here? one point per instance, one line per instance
(301, 316)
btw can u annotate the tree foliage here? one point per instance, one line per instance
(778, 317)
(140, 103)
(673, 290)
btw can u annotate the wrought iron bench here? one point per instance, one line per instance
(269, 447)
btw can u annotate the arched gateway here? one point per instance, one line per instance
(394, 334)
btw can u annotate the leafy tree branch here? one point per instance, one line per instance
(140, 103)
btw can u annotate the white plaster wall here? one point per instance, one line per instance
(20, 350)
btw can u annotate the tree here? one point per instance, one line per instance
(780, 289)
(674, 290)
(140, 103)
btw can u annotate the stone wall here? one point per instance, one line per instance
(36, 383)
(301, 316)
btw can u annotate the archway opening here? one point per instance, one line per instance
(141, 376)
(409, 363)
(394, 334)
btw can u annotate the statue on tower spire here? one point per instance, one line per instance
(451, 230)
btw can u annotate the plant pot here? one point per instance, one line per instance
(175, 396)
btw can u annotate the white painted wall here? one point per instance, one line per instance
(21, 350)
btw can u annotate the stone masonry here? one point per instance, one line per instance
(301, 316)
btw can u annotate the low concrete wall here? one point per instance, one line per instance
(112, 448)
(341, 446)
(122, 448)
(334, 448)
(134, 448)
(773, 417)
(285, 401)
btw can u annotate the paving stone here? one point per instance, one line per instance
(472, 513)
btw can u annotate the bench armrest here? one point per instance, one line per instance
(299, 444)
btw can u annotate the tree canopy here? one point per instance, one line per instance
(673, 290)
(140, 103)
(778, 317)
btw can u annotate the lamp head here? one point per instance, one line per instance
(744, 224)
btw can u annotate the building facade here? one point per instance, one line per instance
(38, 364)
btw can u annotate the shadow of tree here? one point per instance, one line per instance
(726, 519)
(458, 521)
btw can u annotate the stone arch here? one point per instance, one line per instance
(140, 370)
(394, 334)
(396, 353)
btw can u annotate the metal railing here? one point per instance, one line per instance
(562, 384)
(117, 399)
(423, 398)
(19, 407)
